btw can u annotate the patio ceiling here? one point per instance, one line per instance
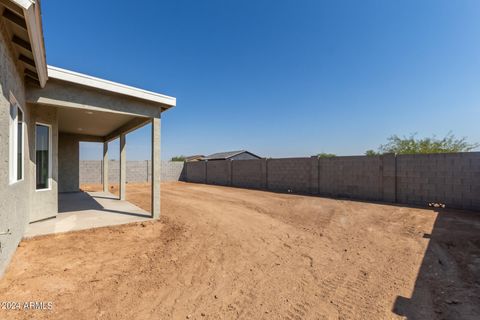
(93, 123)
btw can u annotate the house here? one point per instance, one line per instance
(45, 112)
(198, 157)
(232, 155)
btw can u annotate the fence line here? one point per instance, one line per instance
(452, 179)
(137, 171)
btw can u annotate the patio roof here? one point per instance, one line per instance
(96, 108)
(98, 83)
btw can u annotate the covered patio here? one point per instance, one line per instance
(82, 108)
(87, 210)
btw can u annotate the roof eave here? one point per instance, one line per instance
(33, 19)
(102, 84)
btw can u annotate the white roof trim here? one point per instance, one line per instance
(89, 81)
(35, 33)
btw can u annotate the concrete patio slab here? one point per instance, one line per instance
(86, 210)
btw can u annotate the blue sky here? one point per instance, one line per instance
(281, 78)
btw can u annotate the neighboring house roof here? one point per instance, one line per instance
(195, 157)
(227, 155)
(89, 81)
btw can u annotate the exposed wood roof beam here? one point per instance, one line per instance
(30, 73)
(22, 43)
(9, 5)
(26, 60)
(10, 15)
(33, 25)
(31, 79)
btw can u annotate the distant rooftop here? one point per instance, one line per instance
(227, 155)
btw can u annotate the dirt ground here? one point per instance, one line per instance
(227, 253)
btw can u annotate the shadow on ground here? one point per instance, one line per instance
(448, 282)
(82, 201)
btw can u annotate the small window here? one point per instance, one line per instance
(16, 143)
(43, 156)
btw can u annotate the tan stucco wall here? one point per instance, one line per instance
(14, 199)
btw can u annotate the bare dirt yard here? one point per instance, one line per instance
(226, 253)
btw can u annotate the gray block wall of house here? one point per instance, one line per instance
(15, 198)
(90, 171)
(452, 179)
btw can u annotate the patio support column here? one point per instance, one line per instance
(156, 168)
(123, 166)
(105, 167)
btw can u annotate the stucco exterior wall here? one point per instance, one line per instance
(68, 162)
(45, 202)
(14, 200)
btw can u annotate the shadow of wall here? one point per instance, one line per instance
(448, 281)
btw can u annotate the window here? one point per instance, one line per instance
(16, 142)
(43, 155)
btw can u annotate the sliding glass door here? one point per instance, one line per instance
(43, 156)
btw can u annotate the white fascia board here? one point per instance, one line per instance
(89, 81)
(35, 33)
(25, 4)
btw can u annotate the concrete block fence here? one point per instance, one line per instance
(90, 171)
(452, 179)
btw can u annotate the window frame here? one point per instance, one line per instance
(49, 156)
(13, 143)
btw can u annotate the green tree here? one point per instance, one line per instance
(326, 155)
(178, 158)
(371, 153)
(414, 145)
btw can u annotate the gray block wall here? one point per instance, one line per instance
(218, 172)
(249, 174)
(351, 177)
(196, 171)
(90, 171)
(289, 175)
(452, 179)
